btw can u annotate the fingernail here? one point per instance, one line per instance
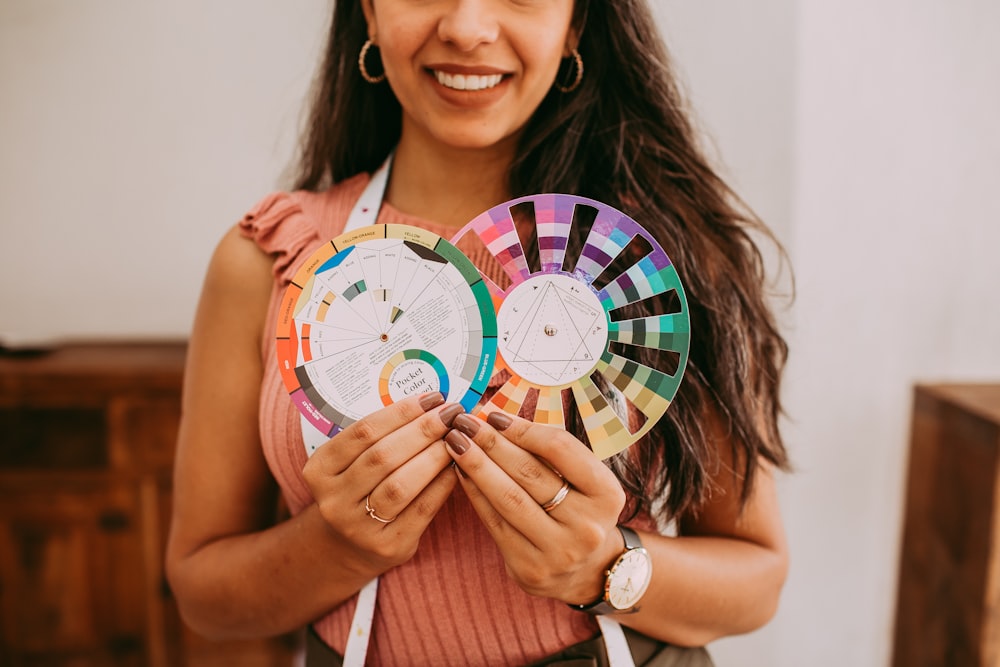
(449, 413)
(457, 442)
(467, 424)
(430, 401)
(499, 420)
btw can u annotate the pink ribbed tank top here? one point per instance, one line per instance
(452, 604)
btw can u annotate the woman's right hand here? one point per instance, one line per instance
(223, 529)
(393, 465)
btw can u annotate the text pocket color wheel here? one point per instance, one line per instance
(378, 314)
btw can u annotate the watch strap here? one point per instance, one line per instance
(602, 606)
(631, 538)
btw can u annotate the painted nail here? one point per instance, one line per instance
(467, 424)
(457, 442)
(449, 413)
(430, 401)
(499, 420)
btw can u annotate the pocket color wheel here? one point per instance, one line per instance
(565, 327)
(379, 314)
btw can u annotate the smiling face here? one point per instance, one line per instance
(469, 73)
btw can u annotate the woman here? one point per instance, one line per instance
(483, 101)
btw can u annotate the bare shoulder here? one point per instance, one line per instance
(238, 283)
(239, 263)
(229, 323)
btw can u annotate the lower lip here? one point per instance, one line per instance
(470, 98)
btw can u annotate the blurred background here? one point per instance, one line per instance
(133, 134)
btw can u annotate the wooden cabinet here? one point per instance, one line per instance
(948, 603)
(87, 437)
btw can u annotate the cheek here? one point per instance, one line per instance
(541, 53)
(398, 44)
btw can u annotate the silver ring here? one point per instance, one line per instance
(558, 498)
(371, 511)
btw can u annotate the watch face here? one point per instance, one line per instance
(629, 579)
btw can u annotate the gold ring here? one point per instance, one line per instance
(371, 511)
(558, 498)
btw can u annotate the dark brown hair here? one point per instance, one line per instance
(628, 131)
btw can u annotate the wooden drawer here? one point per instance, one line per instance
(53, 438)
(87, 439)
(71, 568)
(949, 580)
(143, 432)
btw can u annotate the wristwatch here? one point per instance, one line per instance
(625, 581)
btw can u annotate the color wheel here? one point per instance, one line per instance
(559, 326)
(379, 314)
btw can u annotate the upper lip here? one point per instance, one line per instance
(451, 68)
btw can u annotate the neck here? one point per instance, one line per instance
(447, 185)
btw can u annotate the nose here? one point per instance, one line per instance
(468, 24)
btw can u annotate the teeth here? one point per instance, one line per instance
(468, 81)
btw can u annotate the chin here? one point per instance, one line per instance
(471, 140)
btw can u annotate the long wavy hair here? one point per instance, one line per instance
(627, 128)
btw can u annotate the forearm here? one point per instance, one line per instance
(704, 588)
(266, 583)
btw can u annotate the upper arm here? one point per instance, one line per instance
(724, 514)
(221, 482)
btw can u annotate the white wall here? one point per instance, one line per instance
(133, 134)
(894, 230)
(895, 237)
(737, 63)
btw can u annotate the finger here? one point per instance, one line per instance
(496, 525)
(510, 505)
(559, 448)
(394, 494)
(429, 501)
(530, 472)
(499, 529)
(396, 448)
(363, 433)
(391, 540)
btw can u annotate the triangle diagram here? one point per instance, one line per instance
(549, 335)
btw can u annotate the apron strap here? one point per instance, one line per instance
(364, 213)
(619, 654)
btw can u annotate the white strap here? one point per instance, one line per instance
(364, 213)
(361, 626)
(619, 654)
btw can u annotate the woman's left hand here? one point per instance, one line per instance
(510, 468)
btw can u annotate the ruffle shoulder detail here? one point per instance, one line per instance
(280, 227)
(291, 225)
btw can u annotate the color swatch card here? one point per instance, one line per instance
(600, 329)
(591, 322)
(379, 314)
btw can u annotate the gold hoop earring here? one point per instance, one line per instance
(364, 70)
(579, 74)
